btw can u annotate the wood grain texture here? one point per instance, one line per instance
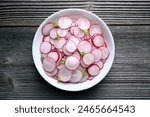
(129, 77)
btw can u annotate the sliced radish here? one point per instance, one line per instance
(90, 78)
(59, 43)
(105, 52)
(46, 38)
(95, 29)
(49, 64)
(93, 70)
(83, 64)
(97, 40)
(98, 54)
(71, 46)
(64, 22)
(88, 59)
(84, 78)
(52, 41)
(43, 55)
(84, 46)
(54, 55)
(65, 51)
(72, 30)
(103, 61)
(75, 39)
(46, 28)
(53, 33)
(78, 32)
(45, 47)
(81, 68)
(64, 74)
(60, 66)
(60, 56)
(100, 64)
(62, 32)
(76, 76)
(77, 55)
(72, 63)
(83, 23)
(53, 73)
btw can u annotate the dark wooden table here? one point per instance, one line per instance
(129, 21)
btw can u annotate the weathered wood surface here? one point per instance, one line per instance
(129, 21)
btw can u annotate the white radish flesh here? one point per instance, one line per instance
(93, 70)
(71, 46)
(46, 28)
(84, 78)
(64, 74)
(60, 66)
(83, 64)
(88, 59)
(53, 73)
(45, 47)
(100, 64)
(53, 33)
(65, 51)
(75, 39)
(72, 63)
(83, 23)
(78, 32)
(77, 55)
(76, 76)
(81, 68)
(62, 32)
(49, 64)
(105, 52)
(60, 43)
(95, 29)
(84, 46)
(54, 55)
(98, 54)
(97, 40)
(64, 22)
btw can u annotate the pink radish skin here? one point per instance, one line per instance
(45, 47)
(95, 29)
(65, 51)
(72, 63)
(53, 73)
(84, 78)
(62, 32)
(83, 64)
(60, 43)
(53, 33)
(91, 78)
(71, 46)
(103, 61)
(47, 38)
(72, 30)
(78, 32)
(98, 54)
(97, 40)
(54, 55)
(64, 74)
(60, 56)
(52, 41)
(88, 59)
(105, 52)
(100, 64)
(60, 66)
(75, 40)
(93, 70)
(64, 22)
(83, 23)
(46, 28)
(49, 64)
(77, 55)
(84, 46)
(76, 76)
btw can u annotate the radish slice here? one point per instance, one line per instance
(88, 59)
(103, 61)
(84, 78)
(93, 70)
(45, 47)
(49, 64)
(97, 40)
(72, 30)
(43, 55)
(76, 76)
(95, 29)
(71, 46)
(84, 46)
(98, 54)
(77, 55)
(83, 64)
(90, 78)
(54, 55)
(46, 28)
(60, 56)
(53, 33)
(100, 64)
(47, 38)
(105, 52)
(62, 32)
(75, 40)
(72, 63)
(78, 32)
(52, 41)
(64, 22)
(64, 74)
(60, 66)
(59, 43)
(53, 73)
(65, 51)
(81, 68)
(83, 23)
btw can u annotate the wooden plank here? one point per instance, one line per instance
(128, 78)
(32, 13)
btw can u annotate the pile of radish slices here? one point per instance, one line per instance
(73, 50)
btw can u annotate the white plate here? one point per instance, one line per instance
(78, 86)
